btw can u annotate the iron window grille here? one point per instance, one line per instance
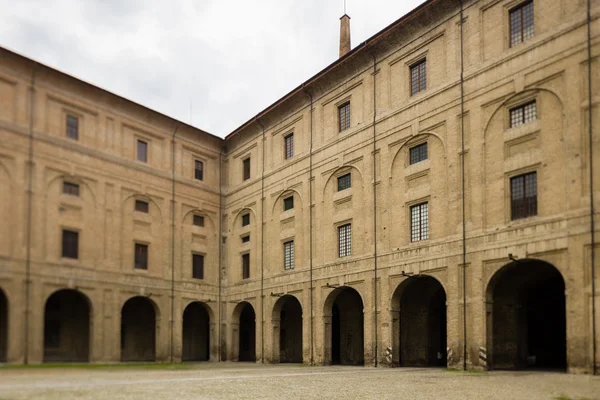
(418, 153)
(70, 244)
(245, 266)
(141, 256)
(523, 114)
(199, 170)
(197, 266)
(246, 165)
(142, 151)
(521, 23)
(245, 219)
(72, 127)
(199, 220)
(288, 203)
(345, 240)
(71, 188)
(142, 206)
(523, 195)
(418, 77)
(289, 145)
(344, 182)
(288, 255)
(344, 116)
(419, 222)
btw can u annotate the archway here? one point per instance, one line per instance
(287, 330)
(138, 330)
(344, 327)
(419, 305)
(247, 334)
(526, 317)
(196, 333)
(3, 326)
(67, 327)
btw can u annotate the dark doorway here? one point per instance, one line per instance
(347, 331)
(138, 330)
(527, 317)
(422, 323)
(247, 343)
(3, 326)
(196, 333)
(290, 330)
(67, 327)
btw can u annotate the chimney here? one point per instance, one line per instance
(344, 35)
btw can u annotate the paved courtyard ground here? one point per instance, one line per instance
(252, 381)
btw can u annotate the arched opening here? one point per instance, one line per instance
(526, 317)
(196, 333)
(247, 334)
(344, 327)
(138, 330)
(287, 330)
(419, 305)
(3, 326)
(67, 327)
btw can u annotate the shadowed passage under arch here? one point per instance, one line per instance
(344, 327)
(138, 330)
(3, 326)
(67, 327)
(247, 334)
(287, 330)
(196, 333)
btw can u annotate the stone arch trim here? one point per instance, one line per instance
(408, 142)
(331, 297)
(207, 307)
(145, 197)
(199, 212)
(82, 294)
(75, 179)
(281, 302)
(396, 294)
(281, 195)
(155, 306)
(235, 220)
(332, 174)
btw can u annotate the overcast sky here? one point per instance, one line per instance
(229, 59)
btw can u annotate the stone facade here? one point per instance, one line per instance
(465, 282)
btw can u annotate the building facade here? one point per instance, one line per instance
(426, 200)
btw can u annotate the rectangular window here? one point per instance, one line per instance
(72, 127)
(246, 239)
(418, 77)
(521, 23)
(245, 219)
(418, 153)
(245, 266)
(141, 256)
(199, 170)
(419, 222)
(523, 114)
(345, 240)
(141, 206)
(523, 196)
(288, 255)
(344, 116)
(247, 168)
(70, 244)
(344, 182)
(142, 151)
(288, 203)
(198, 220)
(71, 188)
(289, 145)
(197, 266)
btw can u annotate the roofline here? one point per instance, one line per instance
(335, 64)
(2, 48)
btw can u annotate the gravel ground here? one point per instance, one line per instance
(252, 381)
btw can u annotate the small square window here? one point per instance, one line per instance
(418, 77)
(197, 266)
(344, 182)
(247, 169)
(289, 145)
(71, 188)
(345, 240)
(245, 219)
(141, 206)
(199, 170)
(72, 127)
(523, 196)
(246, 239)
(70, 244)
(419, 222)
(141, 256)
(288, 255)
(142, 151)
(523, 114)
(245, 266)
(198, 220)
(288, 203)
(418, 153)
(521, 23)
(344, 116)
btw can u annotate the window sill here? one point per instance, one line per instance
(342, 195)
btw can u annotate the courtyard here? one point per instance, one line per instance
(291, 381)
